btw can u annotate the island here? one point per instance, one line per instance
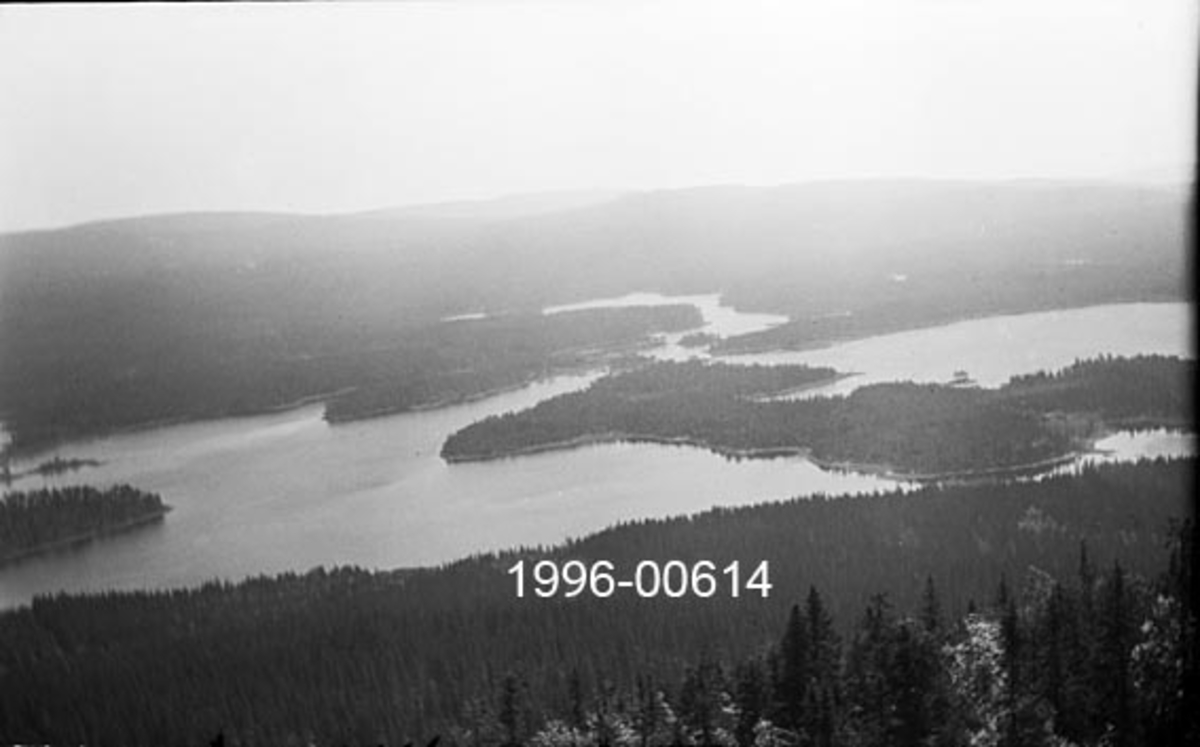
(904, 429)
(698, 340)
(39, 521)
(49, 468)
(59, 465)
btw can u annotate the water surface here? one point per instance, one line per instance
(288, 491)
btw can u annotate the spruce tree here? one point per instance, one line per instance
(794, 671)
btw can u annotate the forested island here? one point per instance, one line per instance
(50, 467)
(37, 521)
(1024, 614)
(914, 430)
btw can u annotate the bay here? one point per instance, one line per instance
(288, 491)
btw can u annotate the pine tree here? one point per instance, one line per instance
(750, 695)
(793, 673)
(578, 706)
(1115, 645)
(700, 698)
(931, 608)
(1053, 644)
(513, 715)
(869, 695)
(1182, 585)
(823, 645)
(822, 689)
(1011, 643)
(909, 683)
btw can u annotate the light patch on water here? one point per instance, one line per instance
(1130, 446)
(474, 316)
(623, 302)
(719, 319)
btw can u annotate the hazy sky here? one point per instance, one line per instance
(120, 110)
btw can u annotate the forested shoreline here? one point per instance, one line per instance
(37, 521)
(411, 368)
(802, 333)
(921, 431)
(357, 657)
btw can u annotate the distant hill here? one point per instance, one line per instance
(243, 297)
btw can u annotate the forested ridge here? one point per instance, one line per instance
(31, 521)
(1143, 390)
(357, 657)
(358, 374)
(904, 427)
(459, 360)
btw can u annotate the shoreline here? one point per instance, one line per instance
(383, 412)
(39, 448)
(42, 447)
(84, 537)
(885, 471)
(828, 342)
(623, 437)
(980, 473)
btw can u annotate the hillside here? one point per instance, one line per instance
(259, 303)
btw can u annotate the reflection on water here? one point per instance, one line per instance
(1130, 446)
(1147, 444)
(288, 491)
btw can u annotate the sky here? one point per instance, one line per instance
(117, 110)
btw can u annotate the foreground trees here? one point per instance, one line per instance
(1084, 646)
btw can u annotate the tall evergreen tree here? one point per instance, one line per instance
(750, 697)
(869, 695)
(794, 671)
(1116, 643)
(1010, 640)
(514, 713)
(577, 703)
(931, 608)
(822, 692)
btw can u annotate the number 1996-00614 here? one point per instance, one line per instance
(673, 579)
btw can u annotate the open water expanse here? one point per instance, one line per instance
(288, 491)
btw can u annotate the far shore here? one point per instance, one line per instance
(730, 349)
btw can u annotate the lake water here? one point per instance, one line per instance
(288, 491)
(993, 349)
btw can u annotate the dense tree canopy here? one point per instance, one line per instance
(368, 657)
(905, 427)
(39, 519)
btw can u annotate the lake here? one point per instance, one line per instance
(288, 491)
